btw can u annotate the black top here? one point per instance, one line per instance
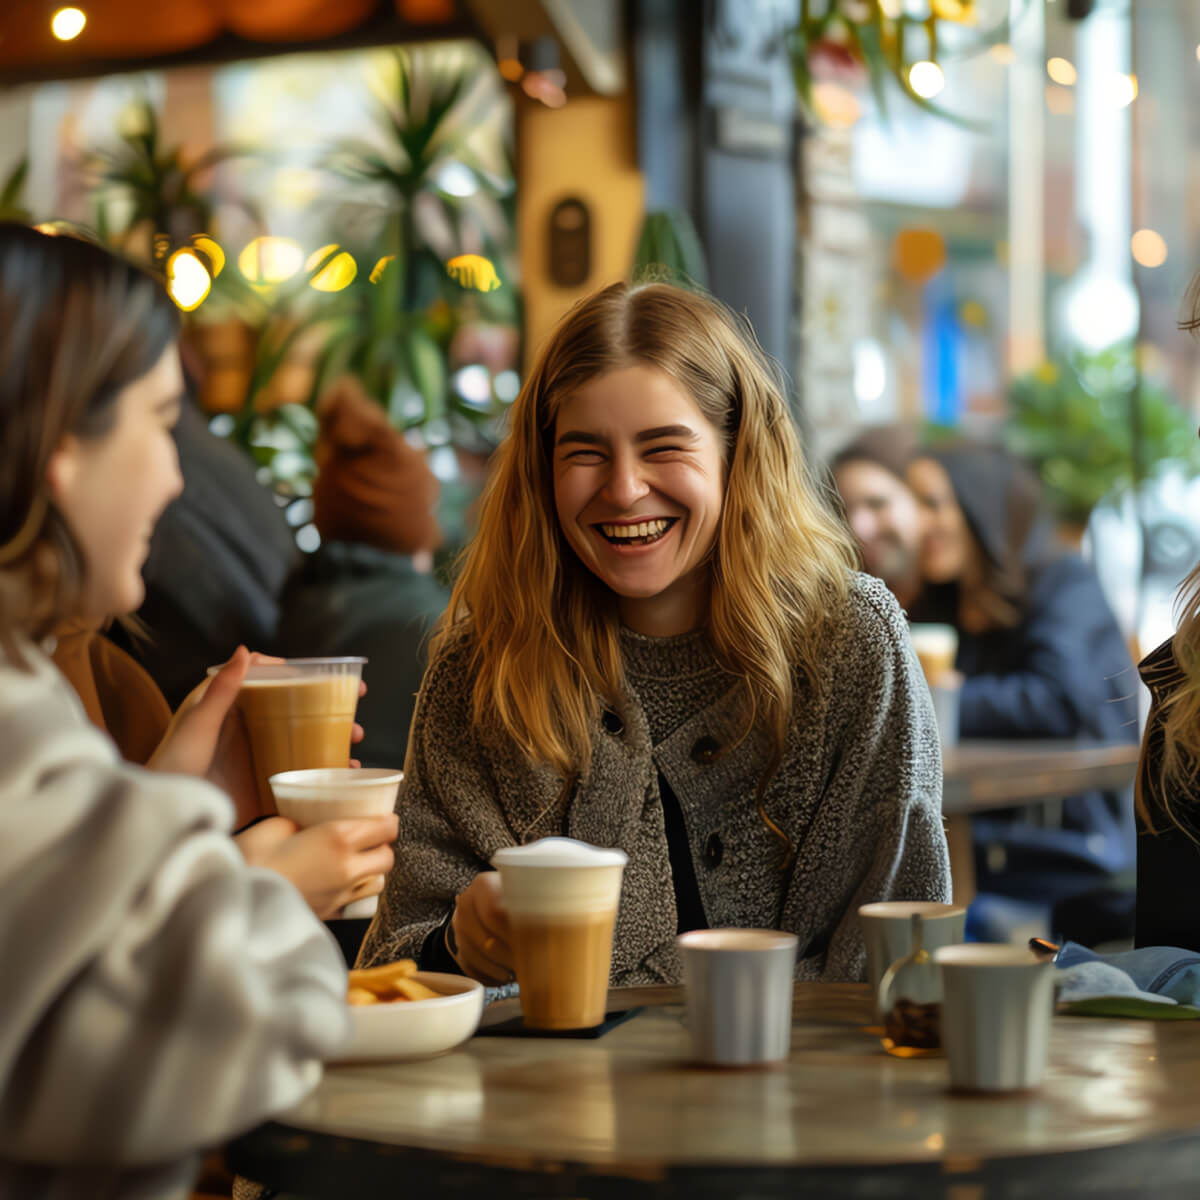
(688, 905)
(1168, 861)
(436, 956)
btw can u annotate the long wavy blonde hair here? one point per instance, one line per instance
(543, 627)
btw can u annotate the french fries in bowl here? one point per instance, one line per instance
(399, 1012)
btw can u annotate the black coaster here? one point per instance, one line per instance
(517, 1028)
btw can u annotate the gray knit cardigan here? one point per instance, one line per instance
(858, 793)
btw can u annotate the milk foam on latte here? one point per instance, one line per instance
(559, 876)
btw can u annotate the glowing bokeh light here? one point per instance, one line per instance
(188, 280)
(1124, 90)
(212, 251)
(338, 273)
(378, 269)
(926, 79)
(268, 260)
(473, 271)
(1148, 248)
(1062, 71)
(67, 23)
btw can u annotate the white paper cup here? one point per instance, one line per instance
(738, 984)
(887, 933)
(333, 793)
(996, 1008)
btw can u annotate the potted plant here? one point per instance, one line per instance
(1074, 420)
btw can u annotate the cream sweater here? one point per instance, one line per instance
(858, 793)
(158, 995)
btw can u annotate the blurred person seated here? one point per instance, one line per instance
(1042, 657)
(219, 560)
(880, 507)
(368, 589)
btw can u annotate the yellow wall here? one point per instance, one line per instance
(586, 149)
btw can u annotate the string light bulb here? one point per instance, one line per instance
(67, 23)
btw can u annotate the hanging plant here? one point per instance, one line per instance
(880, 41)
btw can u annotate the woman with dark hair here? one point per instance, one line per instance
(657, 642)
(1041, 657)
(160, 994)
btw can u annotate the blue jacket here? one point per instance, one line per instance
(1063, 672)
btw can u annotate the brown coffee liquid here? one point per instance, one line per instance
(295, 724)
(935, 664)
(562, 967)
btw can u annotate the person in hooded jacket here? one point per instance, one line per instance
(1042, 657)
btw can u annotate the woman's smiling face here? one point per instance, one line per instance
(639, 483)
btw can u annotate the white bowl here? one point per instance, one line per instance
(331, 793)
(399, 1029)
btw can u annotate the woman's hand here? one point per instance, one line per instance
(481, 931)
(330, 864)
(207, 737)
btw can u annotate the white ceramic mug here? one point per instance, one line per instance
(887, 932)
(997, 1001)
(738, 984)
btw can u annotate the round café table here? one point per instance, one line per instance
(625, 1116)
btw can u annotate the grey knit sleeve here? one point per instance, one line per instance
(449, 816)
(885, 793)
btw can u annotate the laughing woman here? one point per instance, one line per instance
(658, 643)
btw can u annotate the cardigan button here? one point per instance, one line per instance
(611, 722)
(714, 850)
(705, 751)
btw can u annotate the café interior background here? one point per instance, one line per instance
(1009, 257)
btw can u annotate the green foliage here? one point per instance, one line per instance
(394, 333)
(882, 41)
(152, 184)
(1073, 421)
(669, 248)
(12, 207)
(392, 326)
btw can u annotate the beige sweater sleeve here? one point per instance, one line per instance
(159, 995)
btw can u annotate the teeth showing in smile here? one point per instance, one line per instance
(642, 533)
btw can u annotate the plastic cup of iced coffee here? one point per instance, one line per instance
(299, 713)
(561, 896)
(937, 650)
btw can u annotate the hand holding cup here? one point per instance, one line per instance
(481, 933)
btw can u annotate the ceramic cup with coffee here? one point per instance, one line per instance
(738, 986)
(996, 1010)
(561, 897)
(887, 933)
(299, 714)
